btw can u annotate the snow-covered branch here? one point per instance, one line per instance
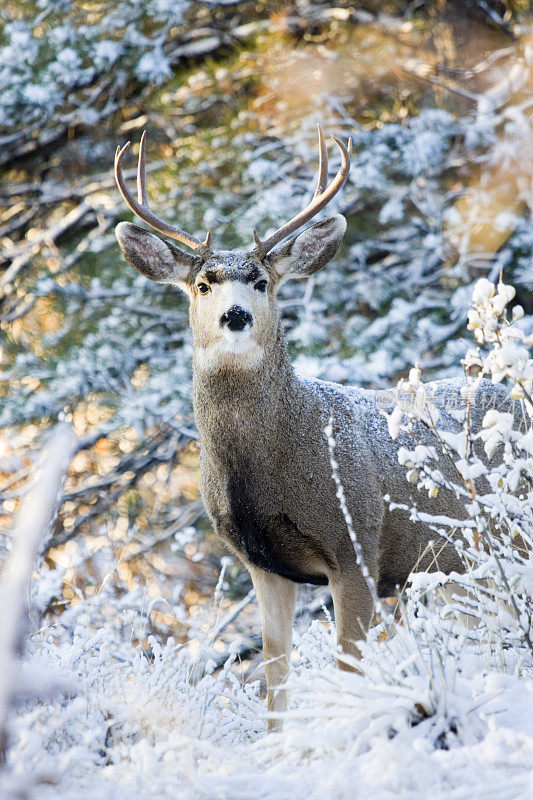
(28, 537)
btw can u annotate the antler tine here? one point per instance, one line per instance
(322, 197)
(323, 165)
(142, 194)
(141, 208)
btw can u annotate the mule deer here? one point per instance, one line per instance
(266, 473)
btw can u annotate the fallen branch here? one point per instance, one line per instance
(31, 528)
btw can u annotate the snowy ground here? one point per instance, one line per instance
(434, 715)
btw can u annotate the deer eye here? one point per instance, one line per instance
(260, 286)
(203, 288)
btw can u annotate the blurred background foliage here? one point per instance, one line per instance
(438, 99)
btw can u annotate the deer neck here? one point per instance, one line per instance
(236, 407)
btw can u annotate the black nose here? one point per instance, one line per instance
(236, 318)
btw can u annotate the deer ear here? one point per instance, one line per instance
(159, 260)
(310, 251)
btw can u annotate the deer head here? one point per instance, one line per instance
(233, 307)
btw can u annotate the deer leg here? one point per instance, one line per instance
(353, 607)
(275, 598)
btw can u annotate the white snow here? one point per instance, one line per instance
(409, 727)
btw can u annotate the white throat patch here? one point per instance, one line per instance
(235, 350)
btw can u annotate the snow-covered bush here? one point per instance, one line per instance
(493, 471)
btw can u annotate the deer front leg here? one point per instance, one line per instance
(353, 607)
(275, 598)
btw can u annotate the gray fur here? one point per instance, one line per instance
(265, 431)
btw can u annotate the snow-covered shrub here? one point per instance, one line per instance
(131, 719)
(494, 476)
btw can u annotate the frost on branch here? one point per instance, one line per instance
(31, 527)
(493, 470)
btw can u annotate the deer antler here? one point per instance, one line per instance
(322, 196)
(141, 208)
